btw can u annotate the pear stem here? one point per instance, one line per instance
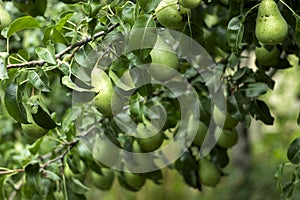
(249, 11)
(294, 13)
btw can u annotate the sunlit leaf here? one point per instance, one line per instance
(46, 54)
(39, 80)
(22, 23)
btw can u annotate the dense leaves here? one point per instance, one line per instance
(51, 56)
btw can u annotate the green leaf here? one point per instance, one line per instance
(34, 148)
(143, 34)
(39, 80)
(219, 156)
(188, 167)
(46, 54)
(293, 152)
(256, 89)
(288, 190)
(148, 5)
(67, 15)
(36, 185)
(21, 24)
(234, 34)
(42, 118)
(128, 13)
(155, 176)
(77, 186)
(51, 175)
(260, 111)
(13, 103)
(70, 84)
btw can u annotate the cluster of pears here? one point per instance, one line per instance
(171, 13)
(163, 67)
(225, 132)
(226, 137)
(92, 173)
(271, 29)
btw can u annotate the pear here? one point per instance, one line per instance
(190, 3)
(5, 18)
(164, 61)
(271, 28)
(170, 15)
(103, 86)
(267, 57)
(209, 174)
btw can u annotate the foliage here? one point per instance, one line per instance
(48, 58)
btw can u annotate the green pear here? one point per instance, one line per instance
(103, 86)
(134, 181)
(190, 3)
(5, 18)
(170, 15)
(103, 181)
(164, 61)
(223, 119)
(226, 138)
(271, 28)
(209, 174)
(149, 138)
(33, 130)
(200, 135)
(267, 57)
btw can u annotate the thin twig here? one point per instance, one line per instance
(61, 156)
(66, 50)
(11, 171)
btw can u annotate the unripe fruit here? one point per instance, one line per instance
(267, 57)
(201, 133)
(103, 181)
(5, 18)
(164, 61)
(209, 174)
(219, 117)
(271, 28)
(226, 138)
(135, 181)
(104, 87)
(190, 3)
(149, 144)
(33, 130)
(169, 15)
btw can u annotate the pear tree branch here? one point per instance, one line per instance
(59, 55)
